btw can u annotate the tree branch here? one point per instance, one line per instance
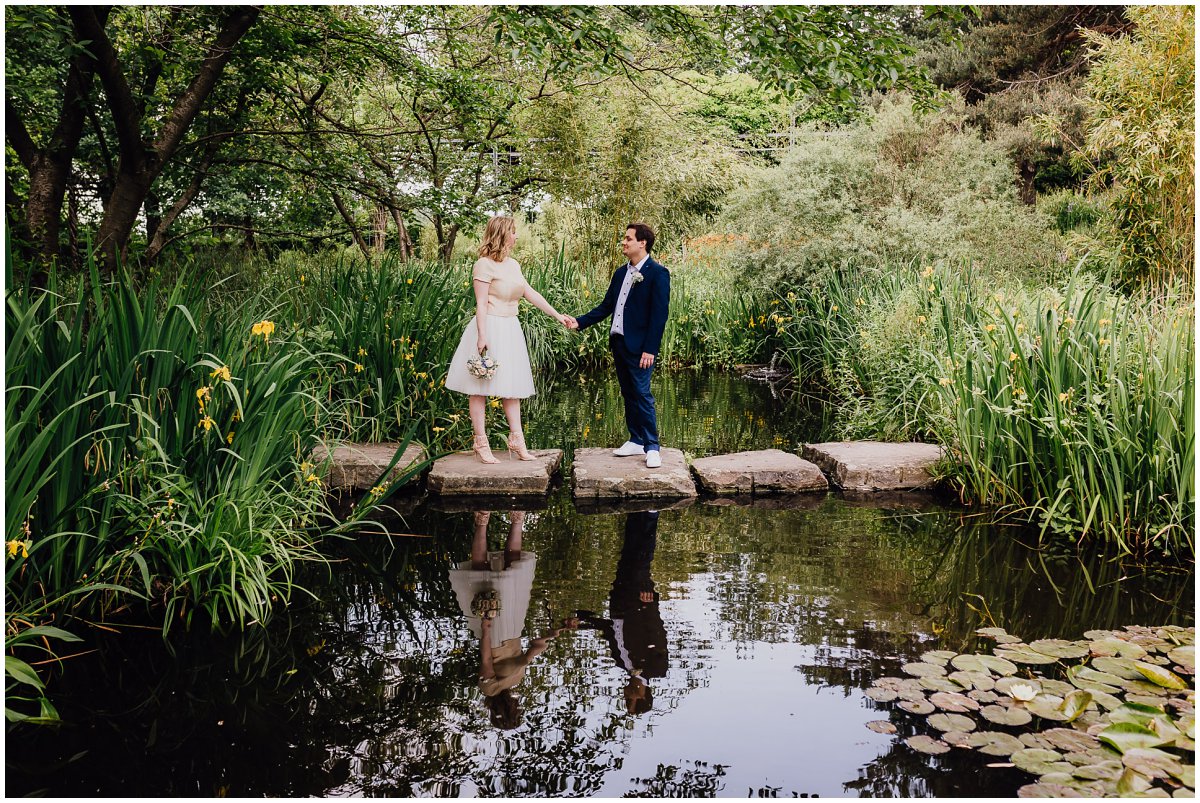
(18, 135)
(88, 26)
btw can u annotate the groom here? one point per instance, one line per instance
(637, 299)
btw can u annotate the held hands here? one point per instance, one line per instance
(568, 321)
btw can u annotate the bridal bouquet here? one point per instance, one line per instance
(486, 604)
(482, 366)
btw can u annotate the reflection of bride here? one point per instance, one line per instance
(502, 578)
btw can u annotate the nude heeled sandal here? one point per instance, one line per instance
(483, 450)
(516, 446)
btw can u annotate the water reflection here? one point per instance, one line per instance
(634, 627)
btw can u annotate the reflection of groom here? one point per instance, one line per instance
(637, 299)
(636, 635)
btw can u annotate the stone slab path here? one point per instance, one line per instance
(358, 465)
(875, 466)
(462, 474)
(769, 471)
(598, 473)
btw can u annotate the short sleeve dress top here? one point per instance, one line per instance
(506, 342)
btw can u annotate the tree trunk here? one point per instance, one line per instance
(447, 247)
(379, 235)
(345, 213)
(140, 162)
(153, 212)
(406, 246)
(1027, 190)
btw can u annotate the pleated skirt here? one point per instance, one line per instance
(506, 344)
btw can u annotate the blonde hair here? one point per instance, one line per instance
(495, 237)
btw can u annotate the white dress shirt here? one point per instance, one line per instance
(618, 321)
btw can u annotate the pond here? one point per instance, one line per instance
(721, 649)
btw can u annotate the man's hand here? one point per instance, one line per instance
(570, 322)
(647, 360)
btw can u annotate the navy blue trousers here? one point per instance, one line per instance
(635, 390)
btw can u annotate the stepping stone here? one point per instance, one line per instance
(462, 474)
(358, 465)
(875, 466)
(769, 471)
(599, 473)
(591, 506)
(805, 501)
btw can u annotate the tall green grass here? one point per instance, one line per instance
(1071, 404)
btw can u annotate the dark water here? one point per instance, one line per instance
(753, 631)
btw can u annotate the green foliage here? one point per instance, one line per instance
(1068, 403)
(1142, 103)
(897, 188)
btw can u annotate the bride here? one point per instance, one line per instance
(499, 288)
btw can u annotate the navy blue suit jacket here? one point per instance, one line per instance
(645, 308)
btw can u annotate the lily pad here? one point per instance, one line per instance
(991, 632)
(895, 684)
(1040, 790)
(1116, 646)
(1132, 783)
(1036, 740)
(1101, 771)
(920, 669)
(921, 707)
(952, 722)
(1162, 677)
(1070, 741)
(1125, 736)
(1144, 688)
(1121, 667)
(994, 743)
(1025, 656)
(1152, 763)
(1084, 677)
(1185, 657)
(1059, 648)
(953, 702)
(1177, 635)
(881, 726)
(998, 665)
(939, 657)
(927, 744)
(1038, 761)
(956, 738)
(1056, 687)
(973, 680)
(881, 695)
(939, 684)
(968, 662)
(916, 695)
(1006, 716)
(1106, 701)
(983, 697)
(1047, 706)
(1075, 703)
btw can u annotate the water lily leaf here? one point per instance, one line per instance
(1187, 724)
(1096, 635)
(1106, 701)
(1121, 667)
(1144, 688)
(939, 657)
(1102, 771)
(921, 707)
(1056, 687)
(1075, 703)
(983, 697)
(998, 665)
(920, 669)
(1124, 736)
(991, 632)
(1005, 685)
(1039, 761)
(1187, 776)
(927, 744)
(939, 684)
(1008, 640)
(1006, 716)
(1116, 646)
(1136, 712)
(1151, 762)
(916, 695)
(1047, 706)
(1144, 699)
(1177, 635)
(994, 743)
(1131, 783)
(968, 663)
(1036, 740)
(1060, 778)
(956, 738)
(1185, 657)
(1163, 677)
(1084, 677)
(881, 726)
(1025, 656)
(952, 722)
(973, 680)
(1060, 648)
(895, 684)
(1047, 790)
(953, 702)
(881, 695)
(1070, 741)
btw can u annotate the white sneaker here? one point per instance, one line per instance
(629, 449)
(653, 459)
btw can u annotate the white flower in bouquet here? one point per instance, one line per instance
(486, 604)
(482, 366)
